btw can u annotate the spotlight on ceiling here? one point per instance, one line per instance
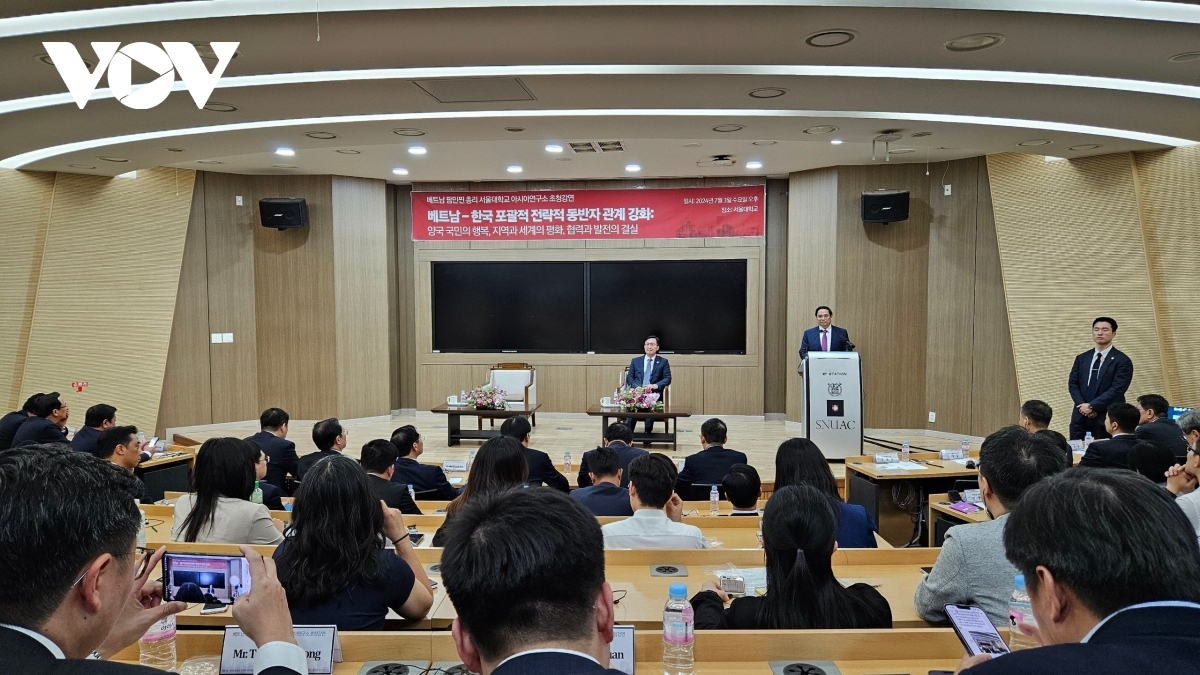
(285, 152)
(554, 148)
(830, 38)
(400, 171)
(974, 42)
(417, 150)
(514, 168)
(754, 164)
(633, 168)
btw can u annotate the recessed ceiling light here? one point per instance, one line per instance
(974, 42)
(217, 106)
(754, 164)
(726, 128)
(112, 159)
(417, 150)
(633, 168)
(208, 161)
(901, 151)
(1051, 158)
(285, 152)
(513, 168)
(408, 131)
(515, 130)
(764, 142)
(174, 149)
(836, 141)
(1085, 146)
(830, 38)
(920, 134)
(400, 171)
(348, 151)
(321, 135)
(768, 92)
(284, 166)
(553, 147)
(1185, 57)
(692, 145)
(822, 129)
(1036, 142)
(83, 166)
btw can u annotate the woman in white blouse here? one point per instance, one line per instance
(219, 510)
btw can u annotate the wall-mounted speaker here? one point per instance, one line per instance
(885, 206)
(283, 213)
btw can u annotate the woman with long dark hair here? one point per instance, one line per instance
(499, 465)
(334, 564)
(218, 509)
(799, 462)
(798, 535)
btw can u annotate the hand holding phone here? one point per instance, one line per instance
(975, 630)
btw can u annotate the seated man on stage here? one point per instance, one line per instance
(825, 337)
(651, 371)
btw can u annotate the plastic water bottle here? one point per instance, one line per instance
(678, 619)
(256, 496)
(470, 458)
(412, 494)
(567, 462)
(462, 397)
(1020, 613)
(905, 452)
(157, 646)
(966, 446)
(1087, 440)
(714, 501)
(141, 537)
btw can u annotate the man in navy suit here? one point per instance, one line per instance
(13, 420)
(604, 496)
(98, 418)
(1112, 567)
(619, 438)
(281, 453)
(541, 468)
(1120, 421)
(710, 465)
(1099, 378)
(425, 478)
(48, 424)
(525, 571)
(651, 371)
(1155, 427)
(825, 337)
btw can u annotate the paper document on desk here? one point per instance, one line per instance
(962, 461)
(901, 466)
(455, 480)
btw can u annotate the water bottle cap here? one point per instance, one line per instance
(410, 486)
(1019, 580)
(678, 591)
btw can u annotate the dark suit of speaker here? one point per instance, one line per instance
(839, 341)
(1147, 641)
(660, 376)
(558, 663)
(705, 468)
(282, 455)
(1166, 434)
(624, 452)
(1107, 387)
(38, 430)
(542, 471)
(1110, 454)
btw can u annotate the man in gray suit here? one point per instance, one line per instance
(972, 567)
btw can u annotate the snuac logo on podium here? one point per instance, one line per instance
(118, 62)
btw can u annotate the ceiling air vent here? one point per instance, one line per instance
(717, 160)
(597, 146)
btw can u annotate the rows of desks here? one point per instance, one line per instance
(871, 486)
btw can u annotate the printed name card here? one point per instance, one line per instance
(320, 643)
(950, 454)
(620, 650)
(886, 458)
(1076, 445)
(454, 465)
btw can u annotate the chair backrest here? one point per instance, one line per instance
(425, 494)
(701, 491)
(512, 380)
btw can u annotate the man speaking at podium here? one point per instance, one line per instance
(825, 337)
(651, 371)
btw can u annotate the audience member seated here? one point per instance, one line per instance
(708, 467)
(189, 592)
(1152, 461)
(604, 495)
(272, 497)
(971, 568)
(499, 465)
(120, 446)
(619, 437)
(87, 589)
(330, 439)
(541, 469)
(48, 424)
(428, 480)
(1113, 572)
(742, 487)
(1035, 418)
(97, 418)
(378, 459)
(799, 526)
(799, 461)
(1182, 478)
(551, 612)
(218, 510)
(1113, 453)
(657, 510)
(334, 564)
(281, 453)
(1154, 426)
(13, 421)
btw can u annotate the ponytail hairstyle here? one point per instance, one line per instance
(799, 535)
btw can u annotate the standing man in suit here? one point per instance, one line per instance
(1120, 422)
(97, 418)
(13, 421)
(378, 459)
(825, 337)
(651, 371)
(1154, 426)
(619, 438)
(1099, 378)
(428, 478)
(711, 464)
(281, 453)
(541, 469)
(48, 424)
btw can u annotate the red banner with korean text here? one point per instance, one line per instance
(669, 213)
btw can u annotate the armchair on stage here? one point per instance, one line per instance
(519, 382)
(833, 416)
(666, 398)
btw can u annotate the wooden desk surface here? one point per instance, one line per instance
(174, 455)
(513, 410)
(941, 504)
(937, 468)
(673, 412)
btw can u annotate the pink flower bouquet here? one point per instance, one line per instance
(639, 399)
(486, 398)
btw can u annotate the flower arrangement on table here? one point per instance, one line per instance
(639, 399)
(486, 397)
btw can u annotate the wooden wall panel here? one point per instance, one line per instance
(295, 305)
(1071, 247)
(882, 292)
(26, 198)
(732, 391)
(435, 383)
(775, 333)
(106, 294)
(811, 265)
(563, 388)
(951, 300)
(688, 385)
(360, 270)
(187, 384)
(1169, 195)
(394, 302)
(406, 280)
